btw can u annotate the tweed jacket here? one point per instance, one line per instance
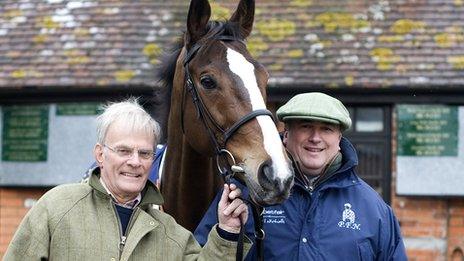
(79, 222)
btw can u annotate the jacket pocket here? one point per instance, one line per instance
(365, 251)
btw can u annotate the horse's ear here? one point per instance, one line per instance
(197, 19)
(244, 16)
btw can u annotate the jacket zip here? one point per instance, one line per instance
(122, 236)
(122, 241)
(129, 226)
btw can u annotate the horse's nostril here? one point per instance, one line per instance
(266, 177)
(267, 171)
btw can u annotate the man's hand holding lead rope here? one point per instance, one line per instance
(232, 211)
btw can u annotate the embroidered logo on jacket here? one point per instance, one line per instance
(349, 218)
(274, 216)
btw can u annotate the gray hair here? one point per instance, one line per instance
(131, 115)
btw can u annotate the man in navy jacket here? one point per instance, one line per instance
(331, 214)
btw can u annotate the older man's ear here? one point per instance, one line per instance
(98, 154)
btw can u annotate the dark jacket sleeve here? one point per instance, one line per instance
(392, 241)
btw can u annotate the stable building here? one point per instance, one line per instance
(397, 65)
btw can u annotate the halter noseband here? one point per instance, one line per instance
(206, 117)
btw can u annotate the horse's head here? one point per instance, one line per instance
(227, 114)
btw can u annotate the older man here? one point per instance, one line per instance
(114, 215)
(331, 214)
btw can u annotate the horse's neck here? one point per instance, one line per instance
(178, 145)
(189, 181)
(180, 154)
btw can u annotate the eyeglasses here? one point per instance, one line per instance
(127, 153)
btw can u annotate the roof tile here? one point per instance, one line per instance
(325, 43)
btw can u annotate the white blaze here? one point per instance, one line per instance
(272, 143)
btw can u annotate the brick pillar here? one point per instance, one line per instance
(14, 204)
(456, 230)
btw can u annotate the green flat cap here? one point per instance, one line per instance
(315, 106)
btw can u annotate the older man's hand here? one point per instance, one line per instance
(231, 209)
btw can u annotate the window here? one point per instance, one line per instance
(369, 120)
(371, 136)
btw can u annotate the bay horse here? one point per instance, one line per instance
(218, 117)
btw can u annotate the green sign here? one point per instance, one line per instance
(71, 109)
(25, 133)
(427, 130)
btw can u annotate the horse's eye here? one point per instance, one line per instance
(207, 82)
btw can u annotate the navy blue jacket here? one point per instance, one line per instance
(343, 218)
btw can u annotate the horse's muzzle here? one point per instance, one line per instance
(272, 188)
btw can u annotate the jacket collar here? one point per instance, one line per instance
(150, 193)
(350, 157)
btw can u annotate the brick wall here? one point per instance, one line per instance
(14, 204)
(433, 229)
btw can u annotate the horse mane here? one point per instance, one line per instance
(162, 95)
(167, 67)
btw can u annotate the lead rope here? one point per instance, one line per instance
(257, 212)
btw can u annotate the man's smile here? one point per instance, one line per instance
(313, 149)
(129, 174)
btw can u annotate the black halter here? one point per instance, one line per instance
(227, 170)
